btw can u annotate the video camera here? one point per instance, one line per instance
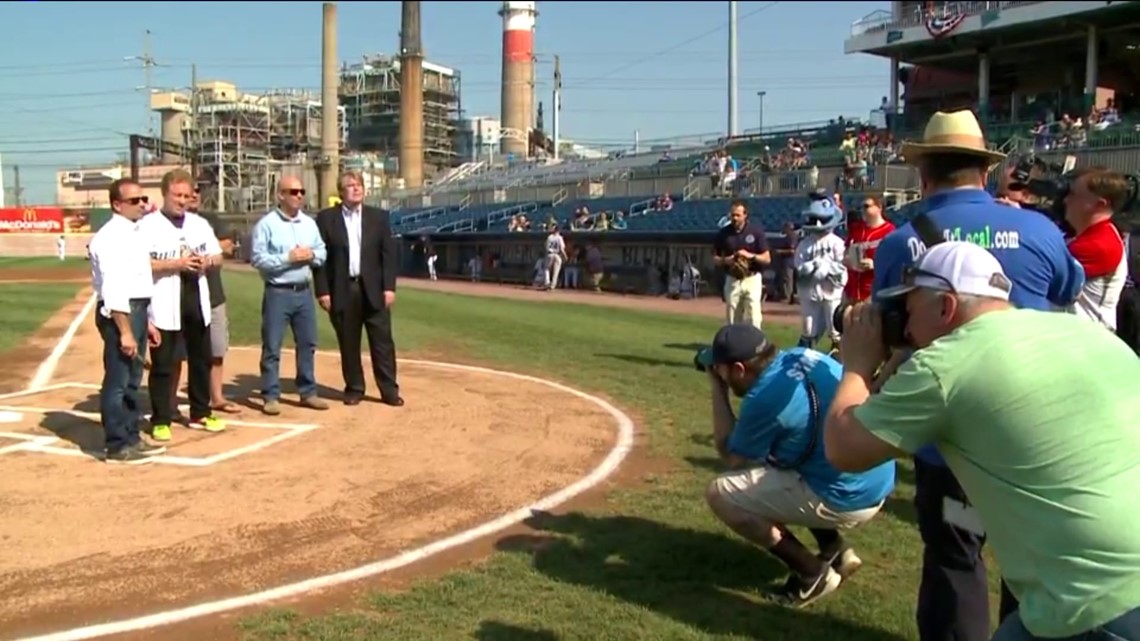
(1051, 182)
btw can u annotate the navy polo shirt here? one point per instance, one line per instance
(728, 241)
(1030, 248)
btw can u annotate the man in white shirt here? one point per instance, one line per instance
(121, 277)
(182, 247)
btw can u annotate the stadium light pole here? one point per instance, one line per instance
(760, 95)
(733, 104)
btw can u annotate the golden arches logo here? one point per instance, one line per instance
(31, 215)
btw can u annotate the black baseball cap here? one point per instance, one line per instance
(736, 343)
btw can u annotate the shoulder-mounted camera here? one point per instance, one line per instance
(1050, 182)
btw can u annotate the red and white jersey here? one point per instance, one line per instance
(862, 241)
(165, 241)
(1100, 250)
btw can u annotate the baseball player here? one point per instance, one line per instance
(820, 271)
(555, 255)
(182, 247)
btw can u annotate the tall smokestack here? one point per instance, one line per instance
(330, 129)
(411, 96)
(518, 75)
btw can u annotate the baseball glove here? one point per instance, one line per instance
(740, 268)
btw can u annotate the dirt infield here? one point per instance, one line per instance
(238, 512)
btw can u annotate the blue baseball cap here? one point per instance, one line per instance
(736, 343)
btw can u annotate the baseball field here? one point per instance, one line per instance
(544, 482)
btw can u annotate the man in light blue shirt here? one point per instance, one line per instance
(286, 246)
(781, 475)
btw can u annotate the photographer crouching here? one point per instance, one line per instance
(953, 162)
(781, 475)
(1033, 412)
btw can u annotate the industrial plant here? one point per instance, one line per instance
(399, 117)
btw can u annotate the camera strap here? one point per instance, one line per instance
(815, 431)
(927, 231)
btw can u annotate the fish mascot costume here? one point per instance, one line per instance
(820, 271)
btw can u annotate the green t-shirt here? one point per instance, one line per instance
(1036, 414)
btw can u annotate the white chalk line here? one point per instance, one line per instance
(609, 465)
(47, 368)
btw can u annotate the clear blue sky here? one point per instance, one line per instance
(67, 96)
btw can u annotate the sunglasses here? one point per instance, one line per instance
(295, 192)
(137, 200)
(911, 274)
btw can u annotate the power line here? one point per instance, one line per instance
(675, 47)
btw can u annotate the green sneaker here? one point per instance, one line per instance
(209, 424)
(161, 433)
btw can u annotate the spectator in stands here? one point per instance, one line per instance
(664, 202)
(602, 222)
(582, 220)
(619, 223)
(551, 224)
(1097, 193)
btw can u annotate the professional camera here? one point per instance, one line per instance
(893, 315)
(1048, 182)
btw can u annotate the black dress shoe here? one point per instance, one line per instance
(394, 401)
(353, 399)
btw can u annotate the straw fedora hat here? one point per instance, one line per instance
(956, 132)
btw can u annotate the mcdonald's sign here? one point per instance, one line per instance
(31, 220)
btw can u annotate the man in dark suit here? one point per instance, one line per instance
(357, 287)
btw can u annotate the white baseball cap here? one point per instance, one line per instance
(958, 267)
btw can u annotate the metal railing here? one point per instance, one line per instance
(916, 16)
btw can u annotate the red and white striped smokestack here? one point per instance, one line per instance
(518, 76)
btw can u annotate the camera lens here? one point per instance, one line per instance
(837, 318)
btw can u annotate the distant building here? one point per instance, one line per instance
(477, 139)
(370, 96)
(87, 186)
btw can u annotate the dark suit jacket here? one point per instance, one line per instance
(377, 256)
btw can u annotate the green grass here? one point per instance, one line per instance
(652, 563)
(27, 306)
(38, 262)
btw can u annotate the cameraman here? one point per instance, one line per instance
(1002, 392)
(1095, 193)
(781, 475)
(953, 161)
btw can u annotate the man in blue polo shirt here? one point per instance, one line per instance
(953, 161)
(781, 475)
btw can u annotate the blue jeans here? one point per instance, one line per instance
(119, 410)
(292, 307)
(1125, 627)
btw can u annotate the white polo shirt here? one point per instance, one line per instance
(120, 265)
(167, 242)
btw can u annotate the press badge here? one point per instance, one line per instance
(962, 516)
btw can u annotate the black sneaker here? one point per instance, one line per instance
(799, 592)
(127, 456)
(149, 449)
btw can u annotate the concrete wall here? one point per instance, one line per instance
(12, 245)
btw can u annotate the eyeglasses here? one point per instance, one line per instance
(137, 200)
(294, 192)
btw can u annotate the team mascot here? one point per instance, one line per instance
(820, 271)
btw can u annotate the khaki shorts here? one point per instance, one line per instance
(219, 332)
(782, 497)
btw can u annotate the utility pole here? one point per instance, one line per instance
(733, 126)
(17, 190)
(556, 119)
(329, 162)
(148, 64)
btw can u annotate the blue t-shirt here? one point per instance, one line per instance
(775, 420)
(1030, 248)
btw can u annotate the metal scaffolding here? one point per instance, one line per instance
(240, 142)
(370, 96)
